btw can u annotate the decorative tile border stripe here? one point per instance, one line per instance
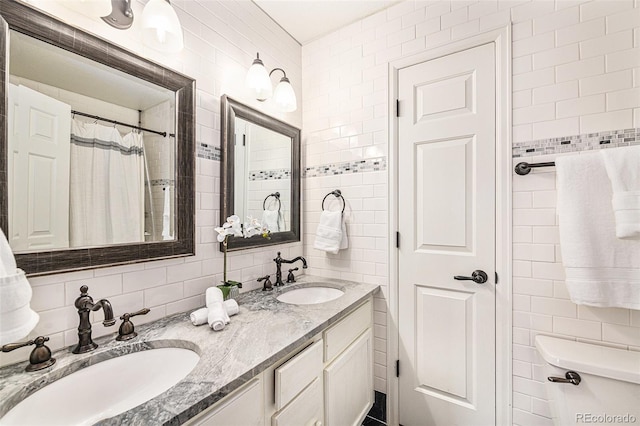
(584, 142)
(357, 166)
(162, 182)
(270, 174)
(208, 152)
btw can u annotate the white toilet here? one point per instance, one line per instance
(609, 382)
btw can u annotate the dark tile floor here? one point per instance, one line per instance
(377, 416)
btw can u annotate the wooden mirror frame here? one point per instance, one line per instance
(31, 22)
(230, 110)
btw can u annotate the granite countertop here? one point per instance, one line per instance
(264, 331)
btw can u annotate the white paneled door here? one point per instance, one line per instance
(38, 157)
(446, 212)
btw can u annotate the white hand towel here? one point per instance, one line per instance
(344, 242)
(231, 307)
(217, 317)
(601, 270)
(199, 317)
(213, 294)
(271, 219)
(329, 232)
(623, 168)
(166, 215)
(7, 261)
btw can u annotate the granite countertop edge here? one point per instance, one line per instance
(270, 328)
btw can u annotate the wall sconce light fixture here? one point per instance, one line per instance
(259, 82)
(161, 29)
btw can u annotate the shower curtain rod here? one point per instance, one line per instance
(119, 123)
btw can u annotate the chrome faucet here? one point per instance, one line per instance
(84, 304)
(279, 261)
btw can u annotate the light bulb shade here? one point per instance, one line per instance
(92, 8)
(258, 81)
(161, 29)
(284, 96)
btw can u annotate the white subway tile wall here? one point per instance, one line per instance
(221, 40)
(575, 71)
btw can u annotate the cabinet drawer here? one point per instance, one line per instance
(338, 337)
(304, 410)
(244, 407)
(294, 375)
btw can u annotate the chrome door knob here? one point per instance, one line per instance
(477, 276)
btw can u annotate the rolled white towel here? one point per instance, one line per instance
(231, 306)
(217, 318)
(200, 316)
(213, 294)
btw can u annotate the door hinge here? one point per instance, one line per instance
(397, 107)
(496, 278)
(397, 240)
(397, 368)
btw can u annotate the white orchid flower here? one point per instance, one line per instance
(234, 227)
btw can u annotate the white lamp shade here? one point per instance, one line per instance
(259, 82)
(284, 96)
(92, 8)
(161, 29)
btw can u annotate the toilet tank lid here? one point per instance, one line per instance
(614, 363)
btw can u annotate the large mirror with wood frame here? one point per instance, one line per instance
(260, 174)
(97, 152)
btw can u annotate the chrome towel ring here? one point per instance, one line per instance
(338, 194)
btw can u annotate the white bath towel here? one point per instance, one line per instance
(217, 318)
(199, 317)
(273, 220)
(623, 168)
(601, 270)
(331, 235)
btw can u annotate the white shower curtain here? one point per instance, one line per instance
(106, 186)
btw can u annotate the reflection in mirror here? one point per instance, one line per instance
(76, 178)
(96, 149)
(260, 173)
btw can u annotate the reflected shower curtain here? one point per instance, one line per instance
(106, 186)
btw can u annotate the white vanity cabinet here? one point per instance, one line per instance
(327, 381)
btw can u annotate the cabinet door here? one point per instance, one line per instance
(348, 384)
(304, 410)
(297, 373)
(242, 408)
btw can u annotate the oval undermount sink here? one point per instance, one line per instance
(310, 295)
(105, 389)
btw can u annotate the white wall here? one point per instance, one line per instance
(576, 70)
(221, 40)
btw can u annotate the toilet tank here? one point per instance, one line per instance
(609, 392)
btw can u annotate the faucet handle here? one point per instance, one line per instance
(127, 330)
(292, 278)
(267, 283)
(40, 357)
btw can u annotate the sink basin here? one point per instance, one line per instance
(104, 389)
(310, 295)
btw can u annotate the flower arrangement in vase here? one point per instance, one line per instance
(233, 227)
